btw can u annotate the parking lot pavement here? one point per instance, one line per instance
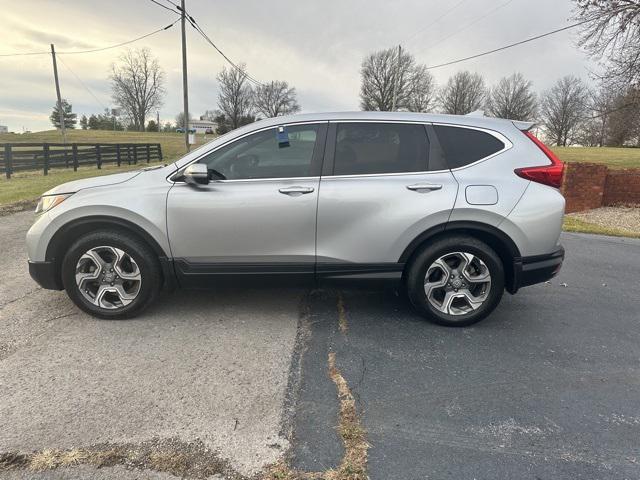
(546, 388)
(200, 366)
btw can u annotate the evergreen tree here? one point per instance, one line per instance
(68, 115)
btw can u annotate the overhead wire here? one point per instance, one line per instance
(196, 26)
(101, 49)
(433, 23)
(505, 47)
(477, 20)
(83, 84)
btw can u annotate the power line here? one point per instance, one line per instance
(95, 49)
(192, 21)
(490, 12)
(24, 54)
(242, 71)
(83, 84)
(164, 6)
(123, 43)
(199, 29)
(435, 21)
(511, 45)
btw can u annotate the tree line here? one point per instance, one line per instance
(138, 90)
(570, 112)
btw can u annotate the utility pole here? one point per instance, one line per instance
(55, 76)
(395, 80)
(185, 87)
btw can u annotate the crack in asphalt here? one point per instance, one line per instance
(195, 460)
(30, 292)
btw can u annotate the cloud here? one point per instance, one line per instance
(317, 46)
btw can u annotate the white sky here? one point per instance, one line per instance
(317, 46)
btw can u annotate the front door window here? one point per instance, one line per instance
(280, 152)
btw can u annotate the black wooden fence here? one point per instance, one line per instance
(15, 157)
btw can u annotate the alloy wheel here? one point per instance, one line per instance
(457, 283)
(108, 277)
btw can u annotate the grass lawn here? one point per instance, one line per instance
(611, 156)
(29, 185)
(572, 224)
(172, 143)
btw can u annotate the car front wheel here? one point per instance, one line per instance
(111, 275)
(456, 281)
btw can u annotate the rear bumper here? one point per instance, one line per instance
(537, 269)
(45, 275)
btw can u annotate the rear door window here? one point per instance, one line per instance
(378, 148)
(463, 146)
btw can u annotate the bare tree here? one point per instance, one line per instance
(465, 92)
(563, 109)
(415, 89)
(380, 70)
(137, 86)
(612, 33)
(235, 99)
(275, 98)
(180, 123)
(422, 91)
(593, 132)
(512, 98)
(623, 119)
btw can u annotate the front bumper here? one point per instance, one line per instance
(537, 269)
(45, 274)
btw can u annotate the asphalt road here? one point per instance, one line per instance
(546, 388)
(199, 366)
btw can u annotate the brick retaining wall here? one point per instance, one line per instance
(622, 187)
(590, 185)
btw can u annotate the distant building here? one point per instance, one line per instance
(4, 129)
(201, 126)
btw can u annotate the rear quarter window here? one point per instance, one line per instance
(463, 146)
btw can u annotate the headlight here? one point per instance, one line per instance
(47, 202)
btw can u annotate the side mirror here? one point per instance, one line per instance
(196, 174)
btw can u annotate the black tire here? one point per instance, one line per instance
(139, 251)
(421, 262)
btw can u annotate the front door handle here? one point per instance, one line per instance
(296, 190)
(424, 186)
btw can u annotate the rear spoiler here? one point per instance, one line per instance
(524, 126)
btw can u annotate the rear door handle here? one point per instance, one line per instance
(424, 186)
(296, 190)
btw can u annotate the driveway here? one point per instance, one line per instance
(548, 387)
(222, 384)
(209, 367)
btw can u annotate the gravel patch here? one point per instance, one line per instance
(623, 218)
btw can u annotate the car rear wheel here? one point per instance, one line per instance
(111, 275)
(455, 281)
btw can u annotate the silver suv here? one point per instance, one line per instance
(455, 209)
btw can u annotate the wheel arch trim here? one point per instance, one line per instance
(99, 221)
(505, 247)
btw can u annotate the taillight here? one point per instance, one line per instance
(548, 174)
